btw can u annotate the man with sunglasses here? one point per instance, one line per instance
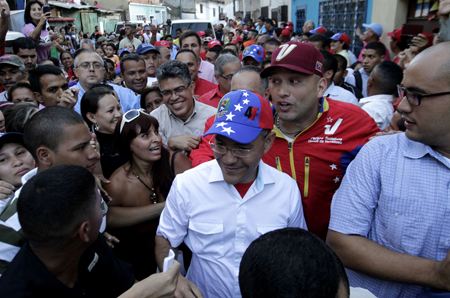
(221, 206)
(181, 119)
(389, 219)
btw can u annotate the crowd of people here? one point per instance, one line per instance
(273, 164)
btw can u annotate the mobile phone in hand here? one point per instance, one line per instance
(46, 8)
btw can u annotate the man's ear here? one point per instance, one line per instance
(269, 141)
(328, 74)
(370, 82)
(38, 97)
(83, 231)
(321, 87)
(44, 156)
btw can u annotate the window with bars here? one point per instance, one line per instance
(140, 17)
(301, 18)
(344, 16)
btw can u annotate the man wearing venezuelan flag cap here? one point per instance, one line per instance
(221, 206)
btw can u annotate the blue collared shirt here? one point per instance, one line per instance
(395, 193)
(128, 100)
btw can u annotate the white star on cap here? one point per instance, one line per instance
(238, 107)
(336, 180)
(228, 130)
(333, 167)
(230, 116)
(245, 94)
(245, 101)
(221, 124)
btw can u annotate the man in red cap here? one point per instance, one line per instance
(395, 43)
(316, 137)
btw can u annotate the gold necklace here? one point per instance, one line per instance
(153, 195)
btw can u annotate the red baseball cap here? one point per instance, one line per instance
(213, 43)
(341, 36)
(396, 34)
(286, 33)
(290, 28)
(320, 30)
(290, 24)
(162, 43)
(297, 56)
(201, 33)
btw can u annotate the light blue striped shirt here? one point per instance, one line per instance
(395, 193)
(128, 100)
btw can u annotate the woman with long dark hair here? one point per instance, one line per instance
(35, 28)
(141, 185)
(100, 108)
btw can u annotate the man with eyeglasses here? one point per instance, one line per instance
(90, 70)
(224, 69)
(220, 207)
(389, 218)
(191, 60)
(181, 118)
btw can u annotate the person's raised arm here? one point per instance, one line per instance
(36, 33)
(4, 21)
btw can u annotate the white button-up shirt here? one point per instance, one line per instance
(218, 225)
(379, 107)
(339, 93)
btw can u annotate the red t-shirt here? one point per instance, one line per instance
(203, 86)
(203, 55)
(242, 188)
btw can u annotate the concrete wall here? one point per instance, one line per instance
(312, 9)
(159, 12)
(228, 10)
(208, 7)
(391, 14)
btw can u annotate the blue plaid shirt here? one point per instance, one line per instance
(395, 193)
(128, 100)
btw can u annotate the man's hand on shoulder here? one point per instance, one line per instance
(184, 142)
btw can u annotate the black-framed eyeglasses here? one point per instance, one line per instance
(228, 77)
(178, 90)
(413, 97)
(130, 116)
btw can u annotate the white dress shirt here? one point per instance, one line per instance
(379, 107)
(339, 93)
(218, 225)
